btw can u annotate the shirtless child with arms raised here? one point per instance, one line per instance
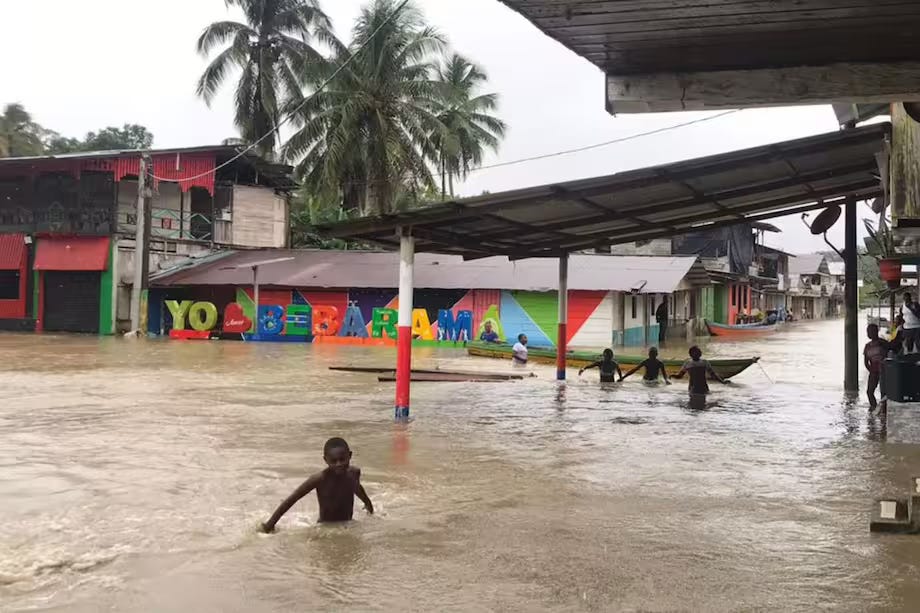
(336, 488)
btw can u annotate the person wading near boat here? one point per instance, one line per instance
(654, 368)
(699, 370)
(874, 355)
(519, 351)
(661, 316)
(608, 366)
(911, 314)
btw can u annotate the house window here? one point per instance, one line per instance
(633, 307)
(9, 285)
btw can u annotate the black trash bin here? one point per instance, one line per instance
(901, 382)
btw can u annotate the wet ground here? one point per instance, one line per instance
(133, 475)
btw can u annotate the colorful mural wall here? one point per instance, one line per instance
(368, 316)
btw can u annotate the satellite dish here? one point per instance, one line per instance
(825, 220)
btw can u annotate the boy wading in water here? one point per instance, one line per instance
(874, 355)
(699, 371)
(653, 368)
(336, 488)
(608, 367)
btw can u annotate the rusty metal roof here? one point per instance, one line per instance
(12, 251)
(376, 269)
(750, 185)
(657, 36)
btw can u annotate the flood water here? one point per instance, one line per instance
(133, 476)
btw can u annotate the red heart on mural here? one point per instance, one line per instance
(235, 321)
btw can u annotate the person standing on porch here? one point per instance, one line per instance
(911, 314)
(661, 316)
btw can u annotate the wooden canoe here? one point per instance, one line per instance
(726, 368)
(740, 332)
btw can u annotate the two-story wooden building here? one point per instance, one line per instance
(68, 224)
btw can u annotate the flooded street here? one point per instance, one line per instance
(134, 474)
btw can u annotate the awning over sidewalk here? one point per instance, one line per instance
(72, 253)
(744, 186)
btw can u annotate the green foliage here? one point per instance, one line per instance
(130, 136)
(271, 51)
(19, 135)
(880, 242)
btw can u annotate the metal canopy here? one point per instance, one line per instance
(656, 36)
(717, 191)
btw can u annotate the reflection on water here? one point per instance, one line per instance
(134, 475)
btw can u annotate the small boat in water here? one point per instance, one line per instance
(726, 368)
(740, 331)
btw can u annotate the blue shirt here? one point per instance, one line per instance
(489, 337)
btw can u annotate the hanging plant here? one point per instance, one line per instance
(882, 246)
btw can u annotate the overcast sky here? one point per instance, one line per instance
(80, 66)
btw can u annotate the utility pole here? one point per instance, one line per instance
(140, 243)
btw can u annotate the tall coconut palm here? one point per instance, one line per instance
(19, 135)
(468, 126)
(367, 133)
(271, 50)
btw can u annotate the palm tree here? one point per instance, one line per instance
(367, 133)
(19, 135)
(272, 50)
(469, 128)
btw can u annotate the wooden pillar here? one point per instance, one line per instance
(851, 325)
(904, 166)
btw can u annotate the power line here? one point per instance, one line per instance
(606, 143)
(321, 87)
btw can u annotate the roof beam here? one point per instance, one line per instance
(565, 194)
(731, 89)
(685, 223)
(743, 192)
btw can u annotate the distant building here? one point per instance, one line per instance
(67, 227)
(814, 292)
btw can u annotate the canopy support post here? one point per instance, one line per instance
(404, 325)
(851, 325)
(563, 315)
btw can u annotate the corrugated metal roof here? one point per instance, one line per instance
(748, 186)
(12, 251)
(664, 36)
(73, 253)
(367, 269)
(838, 269)
(811, 264)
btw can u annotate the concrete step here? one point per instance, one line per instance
(892, 515)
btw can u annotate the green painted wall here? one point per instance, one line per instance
(720, 304)
(543, 309)
(106, 316)
(707, 303)
(35, 294)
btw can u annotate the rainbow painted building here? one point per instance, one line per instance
(350, 297)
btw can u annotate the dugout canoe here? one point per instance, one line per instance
(740, 332)
(726, 368)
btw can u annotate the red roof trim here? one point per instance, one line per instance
(74, 253)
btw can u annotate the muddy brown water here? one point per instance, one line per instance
(133, 475)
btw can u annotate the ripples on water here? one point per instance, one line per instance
(133, 475)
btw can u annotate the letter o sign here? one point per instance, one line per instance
(202, 316)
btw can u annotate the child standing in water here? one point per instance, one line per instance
(699, 371)
(336, 488)
(608, 367)
(874, 355)
(653, 368)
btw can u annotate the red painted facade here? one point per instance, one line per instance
(14, 257)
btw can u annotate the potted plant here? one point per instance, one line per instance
(881, 245)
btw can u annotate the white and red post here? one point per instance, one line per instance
(563, 316)
(404, 325)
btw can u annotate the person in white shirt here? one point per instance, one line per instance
(911, 314)
(519, 351)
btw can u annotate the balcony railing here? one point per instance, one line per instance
(173, 225)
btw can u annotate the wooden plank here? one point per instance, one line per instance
(904, 168)
(767, 87)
